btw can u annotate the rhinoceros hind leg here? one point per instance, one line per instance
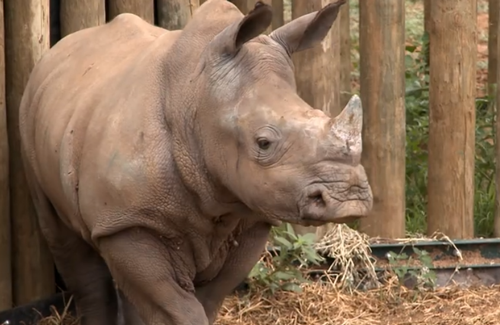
(82, 269)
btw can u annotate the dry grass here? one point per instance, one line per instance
(351, 255)
(324, 304)
(64, 318)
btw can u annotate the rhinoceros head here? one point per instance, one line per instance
(274, 152)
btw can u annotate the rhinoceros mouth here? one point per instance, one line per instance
(320, 222)
(318, 206)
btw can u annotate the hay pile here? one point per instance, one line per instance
(324, 304)
(389, 305)
(339, 301)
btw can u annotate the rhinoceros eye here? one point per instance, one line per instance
(264, 144)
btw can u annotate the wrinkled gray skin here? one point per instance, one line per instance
(160, 159)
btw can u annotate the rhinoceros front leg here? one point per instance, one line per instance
(143, 269)
(238, 265)
(128, 315)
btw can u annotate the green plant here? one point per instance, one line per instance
(424, 274)
(281, 272)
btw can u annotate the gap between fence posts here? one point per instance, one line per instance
(5, 229)
(496, 221)
(175, 14)
(144, 9)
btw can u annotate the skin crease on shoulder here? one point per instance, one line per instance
(160, 159)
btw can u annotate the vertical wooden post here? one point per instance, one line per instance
(78, 14)
(453, 51)
(278, 13)
(382, 82)
(241, 4)
(27, 37)
(493, 12)
(5, 229)
(317, 70)
(317, 75)
(345, 54)
(144, 9)
(175, 14)
(496, 221)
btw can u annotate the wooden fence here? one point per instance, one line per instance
(29, 27)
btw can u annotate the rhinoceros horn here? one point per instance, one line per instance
(348, 125)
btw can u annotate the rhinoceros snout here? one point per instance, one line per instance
(324, 203)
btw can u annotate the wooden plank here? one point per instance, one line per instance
(27, 37)
(453, 52)
(493, 8)
(382, 83)
(78, 14)
(278, 13)
(5, 237)
(317, 76)
(241, 4)
(317, 69)
(496, 220)
(345, 54)
(175, 14)
(142, 8)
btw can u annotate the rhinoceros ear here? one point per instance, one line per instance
(232, 38)
(305, 32)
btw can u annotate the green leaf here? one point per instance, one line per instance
(309, 238)
(291, 287)
(283, 241)
(284, 276)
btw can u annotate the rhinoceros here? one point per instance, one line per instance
(159, 160)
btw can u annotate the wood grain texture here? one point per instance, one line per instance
(27, 37)
(144, 9)
(241, 4)
(345, 54)
(382, 82)
(175, 14)
(278, 13)
(5, 229)
(453, 51)
(78, 14)
(317, 69)
(317, 73)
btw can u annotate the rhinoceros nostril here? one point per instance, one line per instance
(317, 198)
